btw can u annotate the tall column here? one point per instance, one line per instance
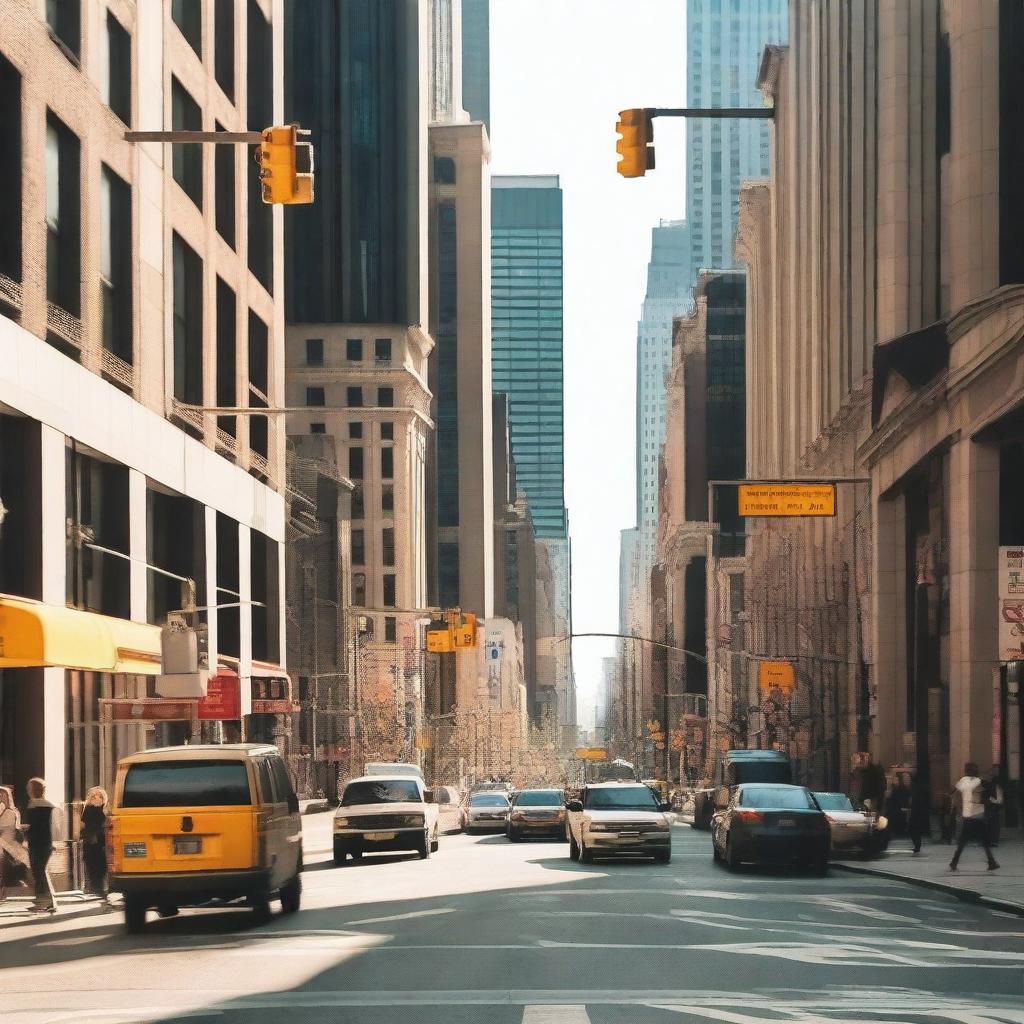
(245, 619)
(210, 597)
(973, 610)
(137, 574)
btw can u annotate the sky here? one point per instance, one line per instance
(560, 72)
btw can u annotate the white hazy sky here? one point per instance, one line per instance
(560, 72)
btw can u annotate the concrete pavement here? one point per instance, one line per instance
(508, 933)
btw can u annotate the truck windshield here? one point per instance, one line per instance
(628, 798)
(384, 791)
(789, 798)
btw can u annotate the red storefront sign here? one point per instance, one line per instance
(147, 709)
(223, 700)
(272, 695)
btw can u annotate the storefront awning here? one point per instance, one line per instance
(33, 634)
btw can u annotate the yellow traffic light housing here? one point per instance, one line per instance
(465, 635)
(286, 165)
(636, 145)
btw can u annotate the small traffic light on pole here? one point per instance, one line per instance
(286, 165)
(636, 145)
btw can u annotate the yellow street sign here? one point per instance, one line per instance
(592, 753)
(776, 675)
(787, 499)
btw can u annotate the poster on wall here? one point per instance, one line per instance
(1011, 603)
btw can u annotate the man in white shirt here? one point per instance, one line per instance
(969, 795)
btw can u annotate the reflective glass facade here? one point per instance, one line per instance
(526, 311)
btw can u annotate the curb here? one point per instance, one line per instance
(964, 895)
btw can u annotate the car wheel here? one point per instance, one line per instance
(134, 915)
(586, 854)
(435, 842)
(291, 895)
(574, 849)
(260, 903)
(514, 835)
(663, 857)
(732, 859)
(423, 847)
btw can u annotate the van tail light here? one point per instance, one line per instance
(750, 817)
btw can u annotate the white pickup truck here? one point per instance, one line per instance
(383, 812)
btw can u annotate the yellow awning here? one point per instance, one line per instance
(33, 634)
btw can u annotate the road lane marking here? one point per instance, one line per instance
(570, 1013)
(402, 917)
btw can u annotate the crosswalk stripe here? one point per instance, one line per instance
(564, 1014)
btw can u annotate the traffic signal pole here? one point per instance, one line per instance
(762, 113)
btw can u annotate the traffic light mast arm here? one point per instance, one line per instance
(762, 113)
(222, 138)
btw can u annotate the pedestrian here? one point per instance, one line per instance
(94, 841)
(994, 807)
(13, 860)
(897, 804)
(42, 825)
(919, 821)
(969, 795)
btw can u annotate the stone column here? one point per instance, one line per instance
(973, 509)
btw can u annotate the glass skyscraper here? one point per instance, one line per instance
(724, 42)
(526, 314)
(476, 59)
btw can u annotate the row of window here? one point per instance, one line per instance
(387, 546)
(388, 587)
(353, 351)
(317, 397)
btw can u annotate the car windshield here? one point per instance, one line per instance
(186, 784)
(833, 801)
(539, 798)
(488, 800)
(775, 798)
(626, 798)
(384, 791)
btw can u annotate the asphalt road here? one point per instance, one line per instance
(508, 933)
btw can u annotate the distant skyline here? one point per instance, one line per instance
(555, 95)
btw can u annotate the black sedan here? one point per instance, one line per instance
(769, 824)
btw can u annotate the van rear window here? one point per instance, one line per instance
(187, 784)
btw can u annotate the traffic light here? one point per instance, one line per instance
(636, 145)
(286, 165)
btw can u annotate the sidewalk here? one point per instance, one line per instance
(1002, 889)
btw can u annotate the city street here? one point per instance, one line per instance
(488, 930)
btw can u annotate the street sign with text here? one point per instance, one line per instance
(592, 753)
(787, 499)
(772, 675)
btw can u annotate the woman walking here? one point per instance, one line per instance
(94, 840)
(13, 859)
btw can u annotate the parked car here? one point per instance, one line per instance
(536, 812)
(613, 818)
(196, 823)
(769, 824)
(381, 814)
(485, 810)
(852, 830)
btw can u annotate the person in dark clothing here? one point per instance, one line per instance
(994, 807)
(897, 805)
(919, 816)
(40, 822)
(94, 841)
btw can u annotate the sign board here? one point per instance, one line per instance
(223, 700)
(592, 753)
(787, 499)
(776, 675)
(423, 742)
(147, 709)
(1011, 603)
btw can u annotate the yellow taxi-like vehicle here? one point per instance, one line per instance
(200, 823)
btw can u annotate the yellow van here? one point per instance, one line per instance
(200, 823)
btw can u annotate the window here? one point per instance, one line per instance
(226, 389)
(188, 323)
(387, 498)
(354, 397)
(187, 160)
(388, 545)
(64, 20)
(390, 629)
(355, 463)
(314, 351)
(354, 350)
(389, 590)
(318, 428)
(63, 217)
(359, 589)
(382, 351)
(315, 396)
(385, 397)
(225, 188)
(188, 16)
(259, 111)
(358, 547)
(444, 170)
(10, 172)
(259, 384)
(355, 429)
(119, 69)
(187, 784)
(387, 463)
(224, 46)
(116, 264)
(358, 502)
(387, 431)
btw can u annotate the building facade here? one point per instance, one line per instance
(140, 288)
